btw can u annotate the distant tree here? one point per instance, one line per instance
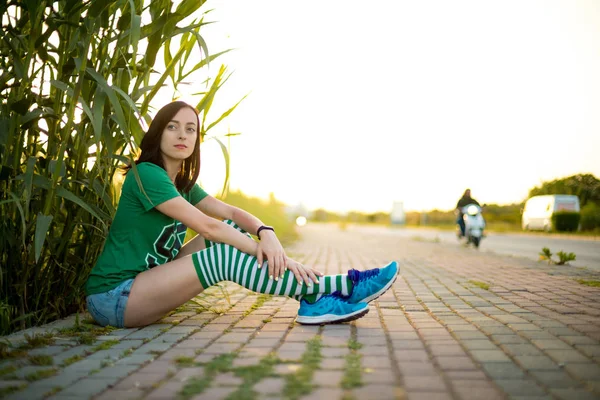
(585, 186)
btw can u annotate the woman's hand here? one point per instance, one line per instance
(270, 248)
(302, 273)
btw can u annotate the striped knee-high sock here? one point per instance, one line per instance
(222, 262)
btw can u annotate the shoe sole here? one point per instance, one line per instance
(383, 289)
(332, 319)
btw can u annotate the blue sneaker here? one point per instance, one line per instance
(331, 308)
(369, 285)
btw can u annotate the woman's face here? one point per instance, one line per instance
(179, 137)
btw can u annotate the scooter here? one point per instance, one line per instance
(474, 224)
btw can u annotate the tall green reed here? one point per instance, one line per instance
(77, 79)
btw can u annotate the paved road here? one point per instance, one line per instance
(512, 244)
(456, 325)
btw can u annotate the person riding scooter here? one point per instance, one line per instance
(465, 200)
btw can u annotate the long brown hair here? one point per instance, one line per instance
(150, 146)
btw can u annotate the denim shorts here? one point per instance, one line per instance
(108, 308)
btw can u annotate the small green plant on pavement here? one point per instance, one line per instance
(481, 285)
(563, 258)
(591, 283)
(546, 255)
(352, 370)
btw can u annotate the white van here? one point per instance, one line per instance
(537, 214)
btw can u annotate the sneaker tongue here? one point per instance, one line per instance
(354, 275)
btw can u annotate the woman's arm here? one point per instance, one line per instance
(218, 209)
(269, 243)
(178, 208)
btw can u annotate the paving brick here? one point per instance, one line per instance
(374, 392)
(139, 380)
(466, 375)
(504, 370)
(330, 352)
(586, 371)
(573, 394)
(333, 363)
(323, 393)
(329, 378)
(449, 363)
(489, 356)
(215, 393)
(540, 362)
(88, 387)
(521, 350)
(428, 396)
(567, 356)
(416, 368)
(425, 384)
(479, 344)
(520, 387)
(554, 379)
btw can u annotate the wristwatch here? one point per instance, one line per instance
(262, 228)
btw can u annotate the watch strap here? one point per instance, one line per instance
(262, 228)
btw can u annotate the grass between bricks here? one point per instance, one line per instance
(250, 376)
(9, 369)
(352, 369)
(52, 391)
(300, 382)
(479, 284)
(5, 391)
(107, 344)
(41, 359)
(260, 300)
(221, 363)
(37, 375)
(592, 283)
(31, 342)
(71, 360)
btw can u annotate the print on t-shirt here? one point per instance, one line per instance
(167, 245)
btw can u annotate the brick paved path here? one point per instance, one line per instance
(458, 324)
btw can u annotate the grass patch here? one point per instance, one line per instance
(71, 360)
(86, 331)
(183, 361)
(592, 283)
(37, 340)
(299, 383)
(219, 364)
(41, 359)
(6, 352)
(354, 345)
(37, 375)
(86, 328)
(352, 370)
(251, 375)
(86, 338)
(481, 285)
(9, 369)
(52, 391)
(5, 391)
(260, 300)
(105, 345)
(127, 352)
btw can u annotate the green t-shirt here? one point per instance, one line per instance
(140, 237)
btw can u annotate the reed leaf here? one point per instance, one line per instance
(75, 95)
(42, 224)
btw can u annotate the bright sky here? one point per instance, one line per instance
(355, 105)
